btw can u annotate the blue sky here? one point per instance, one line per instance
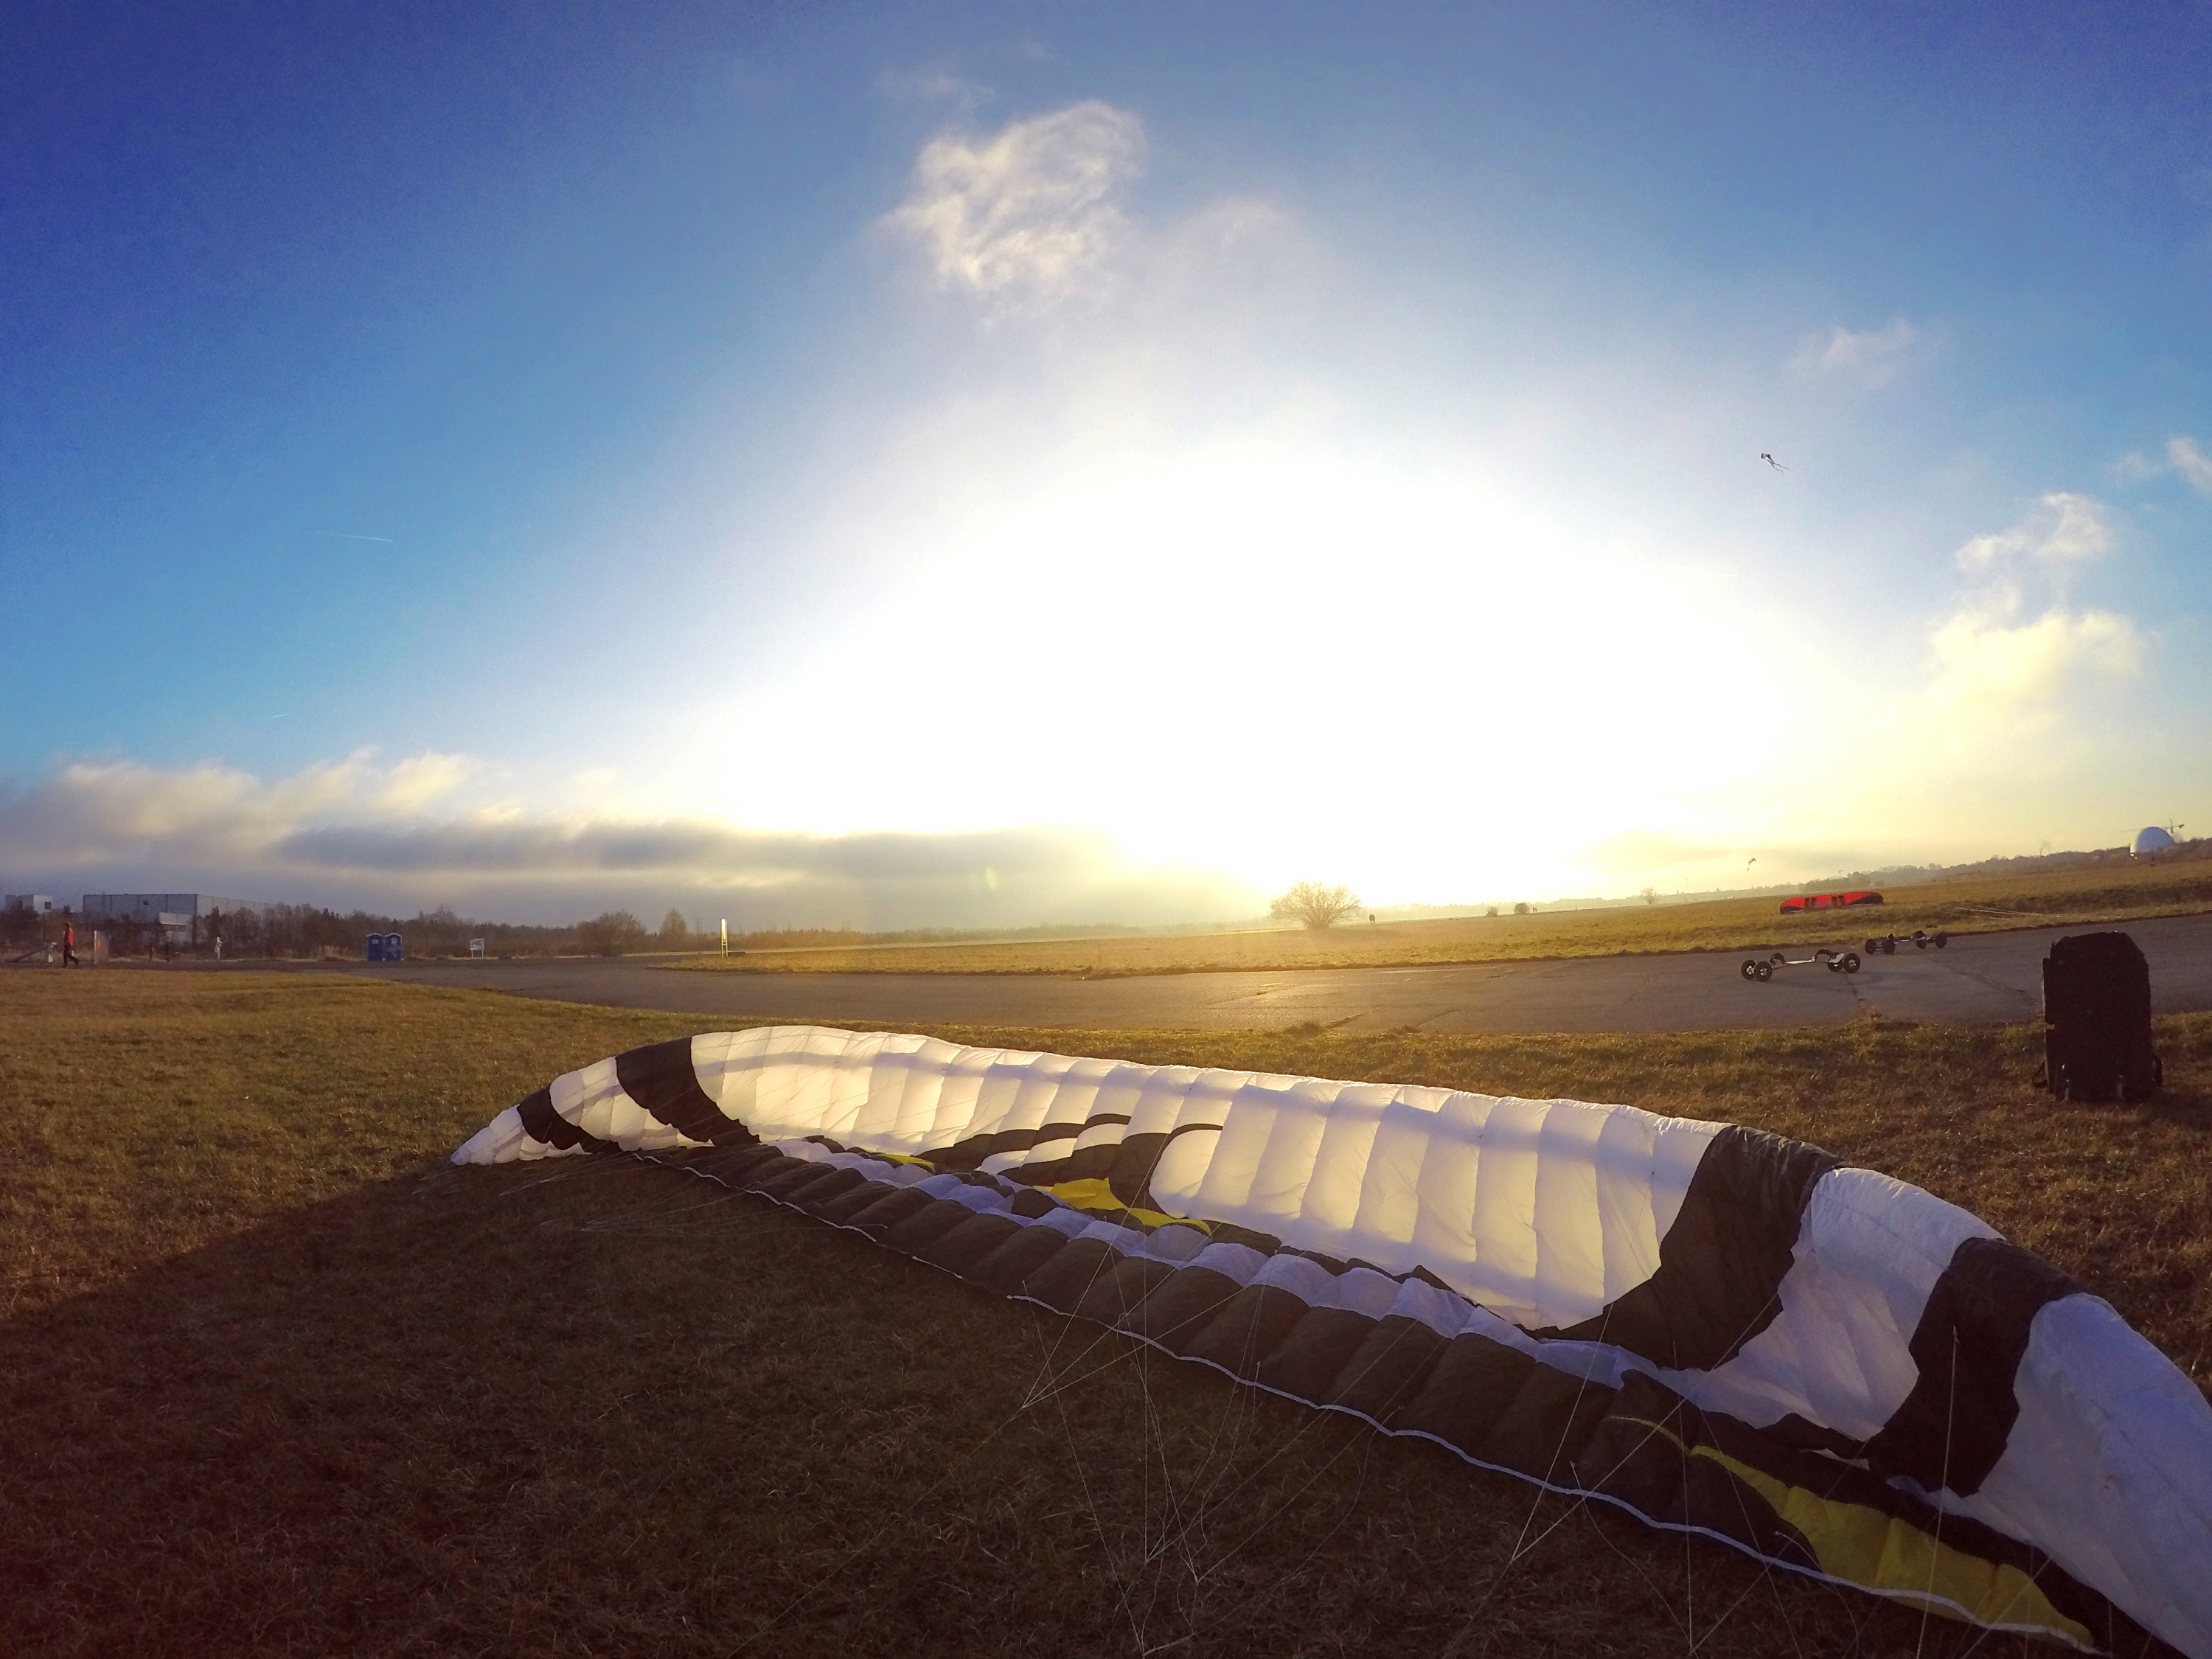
(1009, 463)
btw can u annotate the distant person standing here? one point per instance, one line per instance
(69, 944)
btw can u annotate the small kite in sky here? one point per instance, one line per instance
(1771, 462)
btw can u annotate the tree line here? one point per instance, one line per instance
(307, 930)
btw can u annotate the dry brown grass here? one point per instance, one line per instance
(2101, 893)
(279, 1381)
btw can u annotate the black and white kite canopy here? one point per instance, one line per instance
(1722, 1331)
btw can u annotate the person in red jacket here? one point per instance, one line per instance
(69, 944)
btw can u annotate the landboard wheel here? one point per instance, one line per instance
(1750, 969)
(1920, 941)
(1850, 964)
(1837, 966)
(1873, 946)
(1889, 945)
(1942, 938)
(1765, 971)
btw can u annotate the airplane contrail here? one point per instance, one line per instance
(345, 536)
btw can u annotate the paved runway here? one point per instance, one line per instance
(1984, 978)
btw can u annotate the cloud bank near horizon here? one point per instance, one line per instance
(400, 836)
(2006, 658)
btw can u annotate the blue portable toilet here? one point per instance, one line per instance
(394, 948)
(373, 950)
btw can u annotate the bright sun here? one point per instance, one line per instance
(1275, 662)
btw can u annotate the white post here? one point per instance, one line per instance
(726, 936)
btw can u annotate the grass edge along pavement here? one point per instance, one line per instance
(278, 1379)
(2101, 894)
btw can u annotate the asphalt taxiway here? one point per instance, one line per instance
(1980, 979)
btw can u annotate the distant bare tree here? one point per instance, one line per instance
(1312, 905)
(610, 933)
(674, 930)
(1650, 895)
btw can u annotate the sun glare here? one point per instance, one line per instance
(1276, 661)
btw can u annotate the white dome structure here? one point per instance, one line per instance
(2151, 838)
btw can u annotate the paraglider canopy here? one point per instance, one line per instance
(1714, 1329)
(2151, 838)
(1829, 901)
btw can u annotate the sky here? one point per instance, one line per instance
(1002, 465)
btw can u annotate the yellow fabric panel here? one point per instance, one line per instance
(1882, 1553)
(1095, 1195)
(1092, 1195)
(1862, 1545)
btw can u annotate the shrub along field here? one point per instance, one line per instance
(279, 1380)
(2103, 892)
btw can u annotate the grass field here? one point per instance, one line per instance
(279, 1381)
(2104, 893)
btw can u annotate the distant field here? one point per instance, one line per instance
(278, 1380)
(2104, 893)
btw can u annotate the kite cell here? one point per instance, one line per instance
(1722, 1331)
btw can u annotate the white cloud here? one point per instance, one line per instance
(1994, 665)
(935, 83)
(1030, 208)
(412, 785)
(2191, 463)
(2181, 456)
(92, 809)
(2063, 530)
(365, 831)
(1987, 658)
(1871, 356)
